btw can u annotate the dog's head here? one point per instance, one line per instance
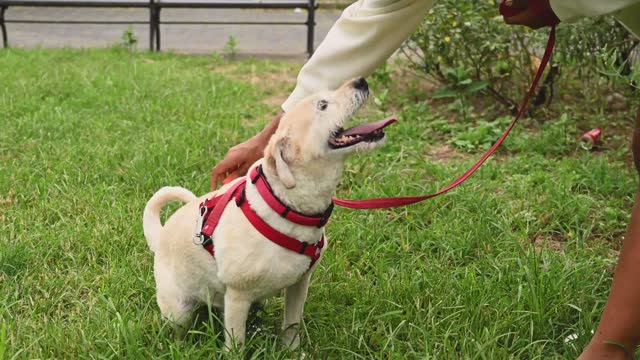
(311, 138)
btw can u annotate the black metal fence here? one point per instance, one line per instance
(155, 7)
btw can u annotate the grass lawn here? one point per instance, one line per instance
(506, 266)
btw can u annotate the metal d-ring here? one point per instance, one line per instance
(198, 238)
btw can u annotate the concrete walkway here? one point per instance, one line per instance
(270, 40)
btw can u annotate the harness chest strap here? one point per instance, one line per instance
(310, 250)
(216, 207)
(210, 212)
(213, 208)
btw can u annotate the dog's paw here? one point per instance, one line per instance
(291, 337)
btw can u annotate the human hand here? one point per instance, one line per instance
(237, 161)
(532, 13)
(240, 157)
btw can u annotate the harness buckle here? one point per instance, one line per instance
(325, 217)
(259, 174)
(240, 198)
(198, 238)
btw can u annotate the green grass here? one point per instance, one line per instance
(505, 266)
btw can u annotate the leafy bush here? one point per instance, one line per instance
(626, 72)
(469, 39)
(465, 46)
(579, 43)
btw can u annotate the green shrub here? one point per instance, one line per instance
(469, 39)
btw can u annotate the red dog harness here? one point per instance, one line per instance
(211, 210)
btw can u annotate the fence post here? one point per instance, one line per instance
(151, 25)
(311, 23)
(5, 38)
(157, 23)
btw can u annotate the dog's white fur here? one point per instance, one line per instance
(303, 172)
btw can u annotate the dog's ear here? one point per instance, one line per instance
(282, 153)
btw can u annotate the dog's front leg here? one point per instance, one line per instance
(236, 310)
(294, 298)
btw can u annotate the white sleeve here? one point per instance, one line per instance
(366, 34)
(569, 10)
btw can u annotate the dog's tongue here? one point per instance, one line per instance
(366, 129)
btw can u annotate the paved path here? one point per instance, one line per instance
(273, 40)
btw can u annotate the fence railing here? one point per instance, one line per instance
(155, 7)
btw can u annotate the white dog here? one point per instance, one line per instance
(303, 164)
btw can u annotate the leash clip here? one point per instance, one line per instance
(325, 217)
(198, 238)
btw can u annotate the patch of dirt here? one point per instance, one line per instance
(8, 199)
(288, 77)
(274, 83)
(403, 79)
(444, 152)
(557, 243)
(222, 69)
(250, 74)
(554, 243)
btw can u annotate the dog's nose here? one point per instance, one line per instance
(361, 84)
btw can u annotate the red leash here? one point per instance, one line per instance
(382, 203)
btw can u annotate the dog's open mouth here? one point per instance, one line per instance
(371, 132)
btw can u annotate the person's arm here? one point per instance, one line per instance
(618, 333)
(366, 34)
(570, 10)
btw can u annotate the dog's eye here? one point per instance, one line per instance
(322, 105)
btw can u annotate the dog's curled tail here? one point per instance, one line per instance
(151, 218)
